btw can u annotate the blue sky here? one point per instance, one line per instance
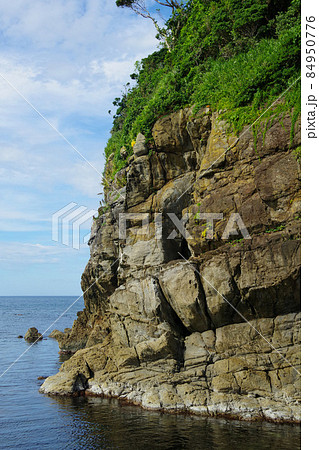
(70, 59)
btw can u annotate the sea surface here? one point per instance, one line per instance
(29, 420)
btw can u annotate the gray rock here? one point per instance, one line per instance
(140, 147)
(56, 334)
(139, 181)
(170, 133)
(182, 288)
(33, 335)
(156, 330)
(123, 153)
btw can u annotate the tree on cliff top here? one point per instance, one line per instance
(140, 8)
(170, 3)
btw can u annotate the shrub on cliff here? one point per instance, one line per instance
(236, 56)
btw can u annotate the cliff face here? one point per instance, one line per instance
(195, 322)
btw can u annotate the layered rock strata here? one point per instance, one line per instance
(193, 321)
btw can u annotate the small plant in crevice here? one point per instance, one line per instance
(274, 230)
(297, 153)
(236, 241)
(197, 215)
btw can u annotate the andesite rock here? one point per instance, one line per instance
(33, 335)
(195, 323)
(140, 147)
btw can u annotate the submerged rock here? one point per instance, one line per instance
(33, 335)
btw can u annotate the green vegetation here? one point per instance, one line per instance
(234, 242)
(237, 56)
(197, 215)
(274, 230)
(297, 153)
(140, 8)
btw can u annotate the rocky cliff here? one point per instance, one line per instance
(193, 320)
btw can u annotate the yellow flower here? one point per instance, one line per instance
(133, 143)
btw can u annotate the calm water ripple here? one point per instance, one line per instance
(30, 420)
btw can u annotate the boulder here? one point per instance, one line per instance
(140, 147)
(170, 133)
(183, 290)
(56, 334)
(139, 181)
(33, 335)
(123, 153)
(218, 144)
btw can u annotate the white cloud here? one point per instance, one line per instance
(44, 23)
(25, 253)
(84, 179)
(10, 154)
(73, 58)
(70, 59)
(69, 56)
(87, 92)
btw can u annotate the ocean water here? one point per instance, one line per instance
(29, 420)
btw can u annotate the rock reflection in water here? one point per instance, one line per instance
(104, 423)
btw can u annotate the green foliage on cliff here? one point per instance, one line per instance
(237, 56)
